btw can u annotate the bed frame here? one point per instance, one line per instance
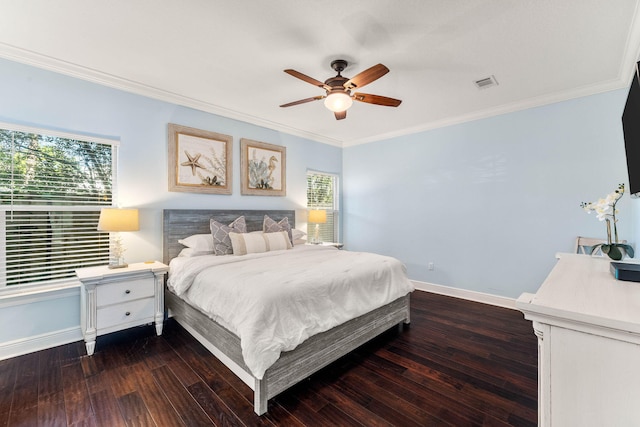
(293, 366)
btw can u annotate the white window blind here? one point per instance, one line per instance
(52, 187)
(322, 193)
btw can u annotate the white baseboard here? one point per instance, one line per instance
(466, 294)
(39, 342)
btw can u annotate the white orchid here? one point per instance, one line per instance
(605, 210)
(604, 207)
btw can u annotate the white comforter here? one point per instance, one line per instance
(275, 300)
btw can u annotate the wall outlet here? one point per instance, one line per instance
(430, 266)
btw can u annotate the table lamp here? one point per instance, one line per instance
(317, 217)
(116, 220)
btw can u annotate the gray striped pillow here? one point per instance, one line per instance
(220, 233)
(270, 226)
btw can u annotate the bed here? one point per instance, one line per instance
(292, 366)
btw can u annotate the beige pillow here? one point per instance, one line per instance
(254, 243)
(278, 241)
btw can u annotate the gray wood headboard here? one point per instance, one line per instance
(180, 223)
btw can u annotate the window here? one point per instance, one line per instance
(52, 187)
(322, 193)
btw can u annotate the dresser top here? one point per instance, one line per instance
(582, 289)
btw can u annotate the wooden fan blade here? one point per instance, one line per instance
(376, 99)
(307, 79)
(366, 77)
(341, 115)
(302, 101)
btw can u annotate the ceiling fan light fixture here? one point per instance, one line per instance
(338, 102)
(338, 98)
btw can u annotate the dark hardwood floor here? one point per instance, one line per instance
(460, 363)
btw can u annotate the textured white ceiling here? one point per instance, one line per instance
(228, 57)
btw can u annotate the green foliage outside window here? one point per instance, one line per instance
(46, 170)
(322, 194)
(320, 191)
(72, 177)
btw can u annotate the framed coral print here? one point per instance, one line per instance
(199, 160)
(262, 168)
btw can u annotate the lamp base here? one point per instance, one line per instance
(116, 260)
(316, 236)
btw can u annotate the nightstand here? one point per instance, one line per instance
(120, 298)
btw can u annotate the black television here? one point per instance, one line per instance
(631, 130)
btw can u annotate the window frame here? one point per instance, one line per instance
(13, 206)
(336, 203)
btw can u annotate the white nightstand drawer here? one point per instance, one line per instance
(120, 298)
(128, 312)
(117, 293)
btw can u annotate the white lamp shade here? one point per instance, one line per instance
(317, 216)
(113, 219)
(338, 102)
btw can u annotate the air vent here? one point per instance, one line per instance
(487, 82)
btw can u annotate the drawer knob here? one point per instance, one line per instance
(127, 313)
(127, 291)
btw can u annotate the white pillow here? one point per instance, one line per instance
(298, 234)
(198, 242)
(189, 252)
(254, 243)
(299, 237)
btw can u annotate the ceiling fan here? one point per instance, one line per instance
(339, 97)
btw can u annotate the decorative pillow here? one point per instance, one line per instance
(254, 243)
(198, 242)
(278, 241)
(220, 233)
(270, 226)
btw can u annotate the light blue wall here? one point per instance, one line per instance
(489, 202)
(45, 99)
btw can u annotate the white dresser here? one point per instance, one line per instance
(116, 299)
(588, 329)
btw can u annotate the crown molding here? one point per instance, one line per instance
(48, 63)
(499, 110)
(623, 80)
(84, 73)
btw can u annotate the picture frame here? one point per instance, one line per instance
(200, 161)
(263, 168)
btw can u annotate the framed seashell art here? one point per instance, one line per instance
(199, 160)
(262, 168)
